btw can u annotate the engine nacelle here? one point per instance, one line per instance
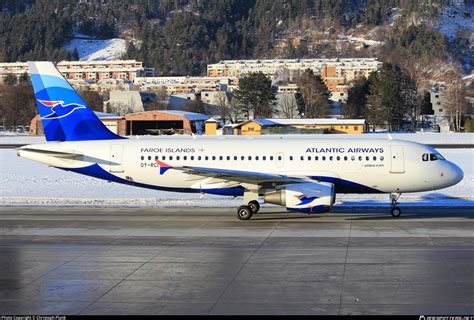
(304, 197)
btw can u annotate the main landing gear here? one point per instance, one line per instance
(395, 211)
(246, 212)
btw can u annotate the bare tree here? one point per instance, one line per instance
(289, 109)
(455, 101)
(224, 106)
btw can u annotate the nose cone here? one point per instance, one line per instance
(456, 174)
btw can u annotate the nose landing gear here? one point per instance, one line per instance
(395, 210)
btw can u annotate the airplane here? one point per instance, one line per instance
(303, 174)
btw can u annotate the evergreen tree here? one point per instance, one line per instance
(357, 98)
(315, 94)
(255, 95)
(385, 105)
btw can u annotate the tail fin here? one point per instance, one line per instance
(64, 115)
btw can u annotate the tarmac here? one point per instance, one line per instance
(360, 260)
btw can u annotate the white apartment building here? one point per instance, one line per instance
(349, 68)
(91, 71)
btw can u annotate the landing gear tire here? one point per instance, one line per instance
(244, 213)
(254, 206)
(396, 212)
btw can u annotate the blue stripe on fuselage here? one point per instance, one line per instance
(96, 171)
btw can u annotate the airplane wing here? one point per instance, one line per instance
(242, 176)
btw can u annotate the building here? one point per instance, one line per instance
(162, 123)
(144, 123)
(90, 71)
(349, 69)
(296, 126)
(124, 102)
(111, 121)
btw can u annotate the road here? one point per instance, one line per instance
(80, 260)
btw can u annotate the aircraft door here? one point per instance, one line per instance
(397, 161)
(280, 160)
(116, 158)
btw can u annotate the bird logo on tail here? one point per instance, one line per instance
(59, 109)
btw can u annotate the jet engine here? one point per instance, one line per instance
(304, 197)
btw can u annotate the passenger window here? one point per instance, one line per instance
(345, 158)
(353, 158)
(291, 158)
(206, 158)
(149, 157)
(242, 158)
(367, 158)
(250, 157)
(338, 158)
(192, 158)
(316, 158)
(235, 158)
(271, 158)
(143, 158)
(309, 158)
(221, 158)
(374, 158)
(171, 157)
(156, 157)
(264, 158)
(424, 157)
(330, 158)
(381, 158)
(177, 158)
(228, 158)
(360, 158)
(323, 158)
(256, 158)
(279, 158)
(199, 158)
(301, 158)
(163, 158)
(185, 158)
(214, 158)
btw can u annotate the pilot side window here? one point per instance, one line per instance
(425, 157)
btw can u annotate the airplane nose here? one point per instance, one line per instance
(457, 173)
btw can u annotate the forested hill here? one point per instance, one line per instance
(183, 36)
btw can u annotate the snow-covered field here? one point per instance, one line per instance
(24, 182)
(426, 138)
(94, 50)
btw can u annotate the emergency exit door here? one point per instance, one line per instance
(397, 162)
(116, 158)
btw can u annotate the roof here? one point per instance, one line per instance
(329, 121)
(105, 115)
(192, 116)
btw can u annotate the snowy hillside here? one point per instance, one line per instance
(95, 50)
(455, 18)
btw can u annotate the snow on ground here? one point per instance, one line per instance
(426, 138)
(24, 182)
(95, 50)
(456, 18)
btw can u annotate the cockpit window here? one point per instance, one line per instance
(425, 157)
(436, 156)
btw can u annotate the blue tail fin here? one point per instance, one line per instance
(64, 115)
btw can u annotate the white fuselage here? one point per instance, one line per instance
(353, 165)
